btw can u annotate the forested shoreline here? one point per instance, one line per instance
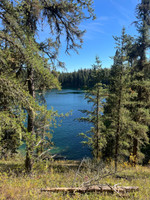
(82, 79)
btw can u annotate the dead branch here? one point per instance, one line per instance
(77, 172)
(114, 189)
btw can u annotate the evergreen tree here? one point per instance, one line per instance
(96, 72)
(95, 137)
(116, 114)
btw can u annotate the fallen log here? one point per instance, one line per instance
(97, 188)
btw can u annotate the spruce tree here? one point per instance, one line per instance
(96, 96)
(115, 112)
(96, 72)
(95, 137)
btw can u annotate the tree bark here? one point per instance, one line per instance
(96, 188)
(30, 127)
(97, 131)
(135, 148)
(116, 152)
(117, 137)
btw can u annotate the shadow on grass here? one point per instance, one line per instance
(39, 167)
(9, 168)
(64, 167)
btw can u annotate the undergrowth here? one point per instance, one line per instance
(15, 184)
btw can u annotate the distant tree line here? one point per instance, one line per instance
(83, 78)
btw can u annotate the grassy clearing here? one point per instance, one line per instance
(16, 185)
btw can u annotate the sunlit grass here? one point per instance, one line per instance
(15, 184)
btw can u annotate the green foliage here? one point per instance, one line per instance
(25, 69)
(116, 114)
(140, 82)
(95, 137)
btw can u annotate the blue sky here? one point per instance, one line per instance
(112, 15)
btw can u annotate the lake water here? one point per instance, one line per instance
(66, 138)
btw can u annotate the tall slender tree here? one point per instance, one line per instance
(95, 137)
(116, 114)
(96, 96)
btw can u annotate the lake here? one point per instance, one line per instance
(66, 137)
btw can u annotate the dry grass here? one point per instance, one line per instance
(16, 185)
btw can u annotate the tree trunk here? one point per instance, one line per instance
(97, 128)
(117, 133)
(94, 188)
(30, 127)
(116, 152)
(135, 148)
